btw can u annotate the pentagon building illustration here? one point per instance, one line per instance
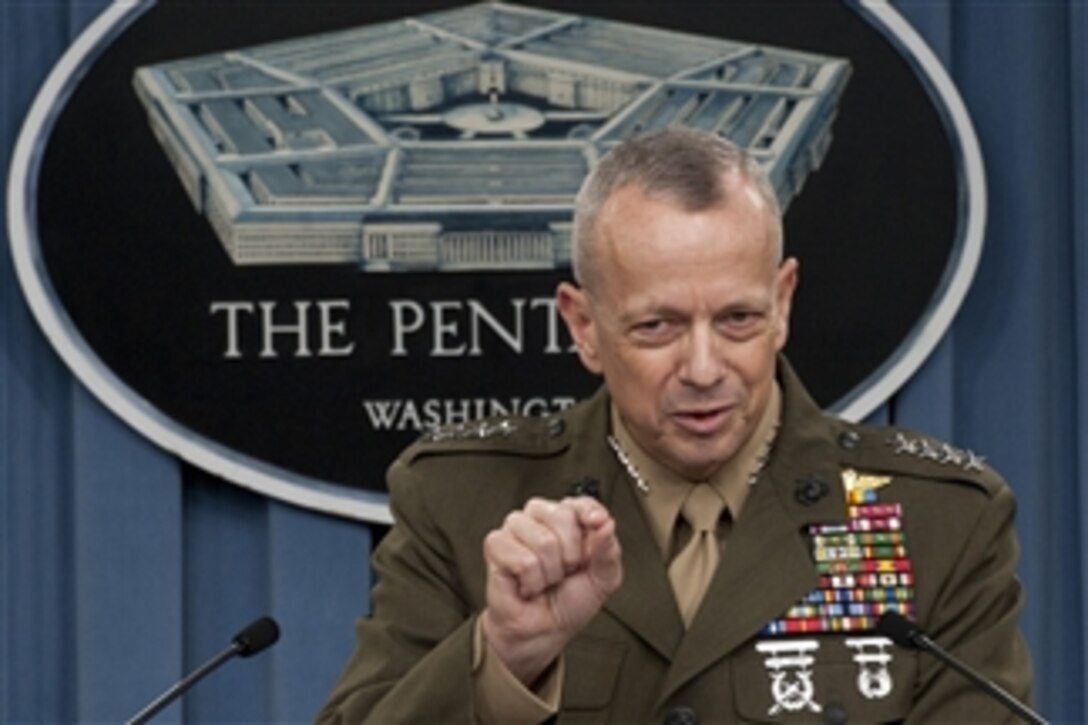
(458, 140)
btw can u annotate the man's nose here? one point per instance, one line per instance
(701, 364)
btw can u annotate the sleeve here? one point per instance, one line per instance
(502, 698)
(413, 655)
(976, 619)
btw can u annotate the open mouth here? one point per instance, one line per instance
(704, 422)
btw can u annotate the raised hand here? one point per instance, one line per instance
(551, 566)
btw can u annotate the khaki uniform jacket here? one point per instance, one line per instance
(635, 663)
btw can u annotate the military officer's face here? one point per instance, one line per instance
(684, 319)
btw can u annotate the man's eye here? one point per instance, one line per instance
(653, 330)
(743, 321)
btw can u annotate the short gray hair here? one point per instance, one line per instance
(682, 165)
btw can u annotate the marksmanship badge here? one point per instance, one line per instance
(789, 663)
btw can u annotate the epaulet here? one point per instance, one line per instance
(517, 435)
(895, 450)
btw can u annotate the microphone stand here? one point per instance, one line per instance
(906, 633)
(995, 690)
(179, 689)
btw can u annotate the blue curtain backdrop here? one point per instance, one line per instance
(123, 568)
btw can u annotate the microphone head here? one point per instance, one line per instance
(899, 629)
(256, 637)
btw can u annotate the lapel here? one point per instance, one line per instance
(767, 564)
(644, 602)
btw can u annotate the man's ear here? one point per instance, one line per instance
(785, 285)
(574, 306)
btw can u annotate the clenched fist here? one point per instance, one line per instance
(551, 566)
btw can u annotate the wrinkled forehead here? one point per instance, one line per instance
(645, 241)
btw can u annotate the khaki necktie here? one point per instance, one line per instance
(692, 568)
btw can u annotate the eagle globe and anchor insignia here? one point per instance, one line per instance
(437, 152)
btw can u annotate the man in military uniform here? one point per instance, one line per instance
(698, 542)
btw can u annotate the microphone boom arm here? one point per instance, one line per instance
(1023, 711)
(256, 637)
(177, 690)
(906, 633)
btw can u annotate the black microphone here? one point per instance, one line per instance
(256, 637)
(906, 633)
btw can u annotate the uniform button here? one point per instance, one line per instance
(849, 440)
(586, 486)
(556, 427)
(681, 716)
(809, 490)
(834, 714)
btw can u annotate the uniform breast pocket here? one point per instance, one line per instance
(824, 679)
(592, 670)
